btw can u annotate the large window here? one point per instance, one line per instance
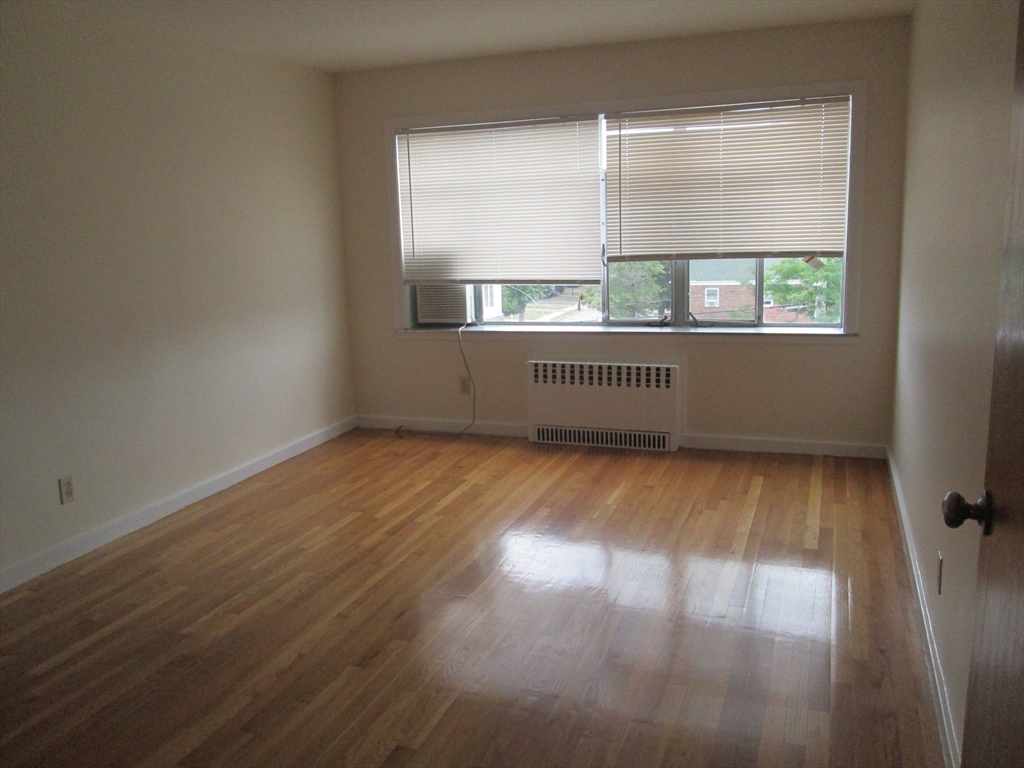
(708, 216)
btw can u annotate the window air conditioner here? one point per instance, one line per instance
(444, 304)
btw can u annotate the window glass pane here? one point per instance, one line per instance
(722, 290)
(797, 291)
(542, 304)
(640, 290)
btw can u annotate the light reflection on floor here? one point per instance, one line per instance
(551, 563)
(654, 614)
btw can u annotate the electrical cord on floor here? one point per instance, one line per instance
(472, 388)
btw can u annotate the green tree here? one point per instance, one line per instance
(591, 295)
(515, 298)
(814, 293)
(637, 289)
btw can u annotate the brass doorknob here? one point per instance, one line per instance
(955, 510)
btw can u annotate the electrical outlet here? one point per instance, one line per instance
(66, 487)
(465, 386)
(939, 574)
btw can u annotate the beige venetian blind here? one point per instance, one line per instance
(737, 181)
(512, 203)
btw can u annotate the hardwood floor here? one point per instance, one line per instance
(431, 601)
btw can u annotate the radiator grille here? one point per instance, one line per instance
(602, 374)
(621, 405)
(604, 438)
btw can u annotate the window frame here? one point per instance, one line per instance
(404, 320)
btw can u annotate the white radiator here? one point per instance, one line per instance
(604, 404)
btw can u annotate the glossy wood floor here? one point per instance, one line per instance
(432, 601)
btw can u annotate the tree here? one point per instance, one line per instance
(814, 293)
(515, 298)
(637, 289)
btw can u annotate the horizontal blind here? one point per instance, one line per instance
(516, 203)
(739, 181)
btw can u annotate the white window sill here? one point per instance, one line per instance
(707, 332)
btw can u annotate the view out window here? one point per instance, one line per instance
(730, 215)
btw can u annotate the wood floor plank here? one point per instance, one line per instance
(421, 600)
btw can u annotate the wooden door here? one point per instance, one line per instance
(994, 727)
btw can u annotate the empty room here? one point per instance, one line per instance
(511, 382)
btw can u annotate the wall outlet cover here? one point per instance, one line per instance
(66, 486)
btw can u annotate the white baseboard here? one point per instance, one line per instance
(67, 551)
(444, 425)
(775, 445)
(707, 442)
(947, 730)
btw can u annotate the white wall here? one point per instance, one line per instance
(957, 183)
(836, 391)
(172, 296)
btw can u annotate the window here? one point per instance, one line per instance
(706, 216)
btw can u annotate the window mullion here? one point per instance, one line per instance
(604, 291)
(602, 128)
(759, 293)
(681, 291)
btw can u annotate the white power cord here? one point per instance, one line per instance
(472, 388)
(472, 382)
